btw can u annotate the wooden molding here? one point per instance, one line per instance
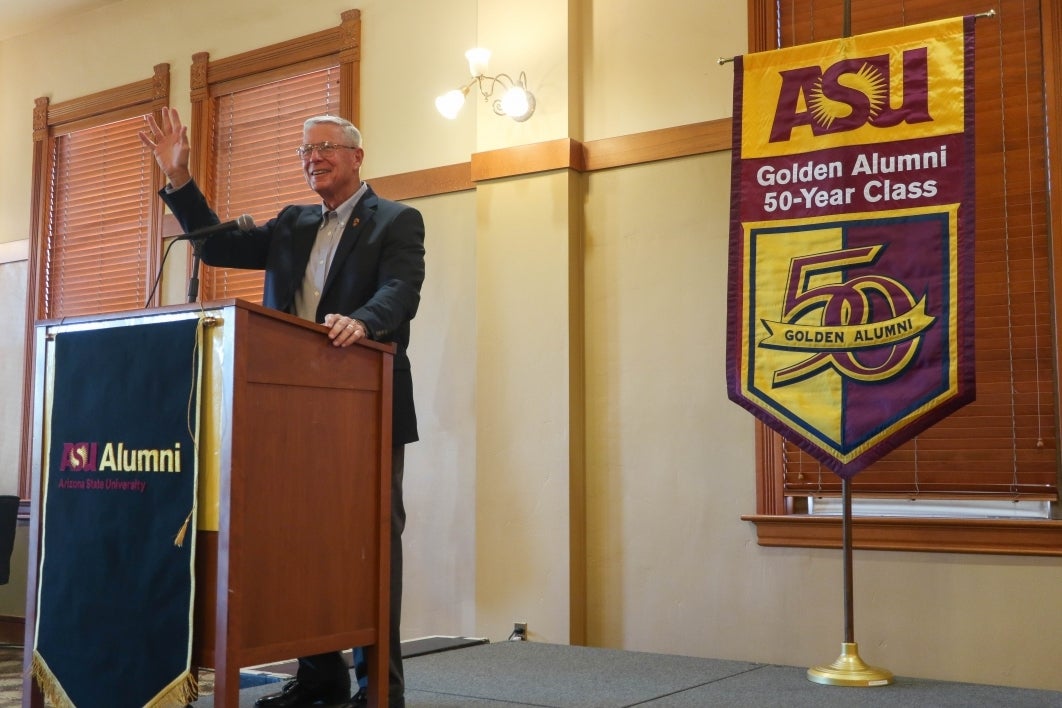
(327, 43)
(763, 16)
(198, 76)
(1051, 28)
(568, 153)
(991, 536)
(770, 491)
(35, 291)
(425, 183)
(663, 144)
(40, 118)
(564, 153)
(12, 630)
(350, 66)
(160, 85)
(131, 97)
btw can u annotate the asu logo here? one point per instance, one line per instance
(116, 457)
(78, 457)
(850, 94)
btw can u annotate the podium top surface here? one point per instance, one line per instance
(183, 310)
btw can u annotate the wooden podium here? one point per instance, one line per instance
(293, 539)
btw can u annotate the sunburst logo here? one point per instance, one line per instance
(867, 81)
(852, 93)
(78, 457)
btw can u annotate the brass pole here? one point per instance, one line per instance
(846, 544)
(848, 669)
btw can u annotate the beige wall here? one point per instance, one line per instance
(554, 293)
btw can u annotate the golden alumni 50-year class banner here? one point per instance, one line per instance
(850, 302)
(114, 609)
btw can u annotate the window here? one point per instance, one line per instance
(96, 215)
(249, 122)
(1004, 445)
(95, 220)
(97, 237)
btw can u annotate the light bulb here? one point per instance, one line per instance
(449, 104)
(516, 103)
(477, 61)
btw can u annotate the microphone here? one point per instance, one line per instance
(243, 223)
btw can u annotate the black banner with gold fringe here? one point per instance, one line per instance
(114, 610)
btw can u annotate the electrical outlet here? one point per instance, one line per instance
(519, 632)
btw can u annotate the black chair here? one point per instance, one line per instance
(8, 522)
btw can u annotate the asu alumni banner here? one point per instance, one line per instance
(114, 609)
(850, 301)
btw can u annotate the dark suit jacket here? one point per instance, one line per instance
(375, 275)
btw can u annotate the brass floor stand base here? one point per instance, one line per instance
(849, 670)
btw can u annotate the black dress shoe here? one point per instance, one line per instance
(300, 695)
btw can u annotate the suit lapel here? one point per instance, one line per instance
(360, 219)
(302, 235)
(302, 238)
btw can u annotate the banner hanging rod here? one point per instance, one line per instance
(988, 13)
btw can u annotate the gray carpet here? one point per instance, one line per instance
(512, 674)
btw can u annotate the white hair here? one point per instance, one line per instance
(349, 130)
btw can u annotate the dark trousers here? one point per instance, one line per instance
(330, 669)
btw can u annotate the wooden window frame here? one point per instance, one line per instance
(254, 134)
(49, 120)
(777, 526)
(339, 45)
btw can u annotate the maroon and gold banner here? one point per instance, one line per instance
(850, 302)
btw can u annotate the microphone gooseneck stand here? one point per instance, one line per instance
(193, 280)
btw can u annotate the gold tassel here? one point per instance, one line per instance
(181, 692)
(49, 685)
(179, 541)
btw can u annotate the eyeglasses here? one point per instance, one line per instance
(325, 149)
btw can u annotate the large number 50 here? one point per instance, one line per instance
(862, 300)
